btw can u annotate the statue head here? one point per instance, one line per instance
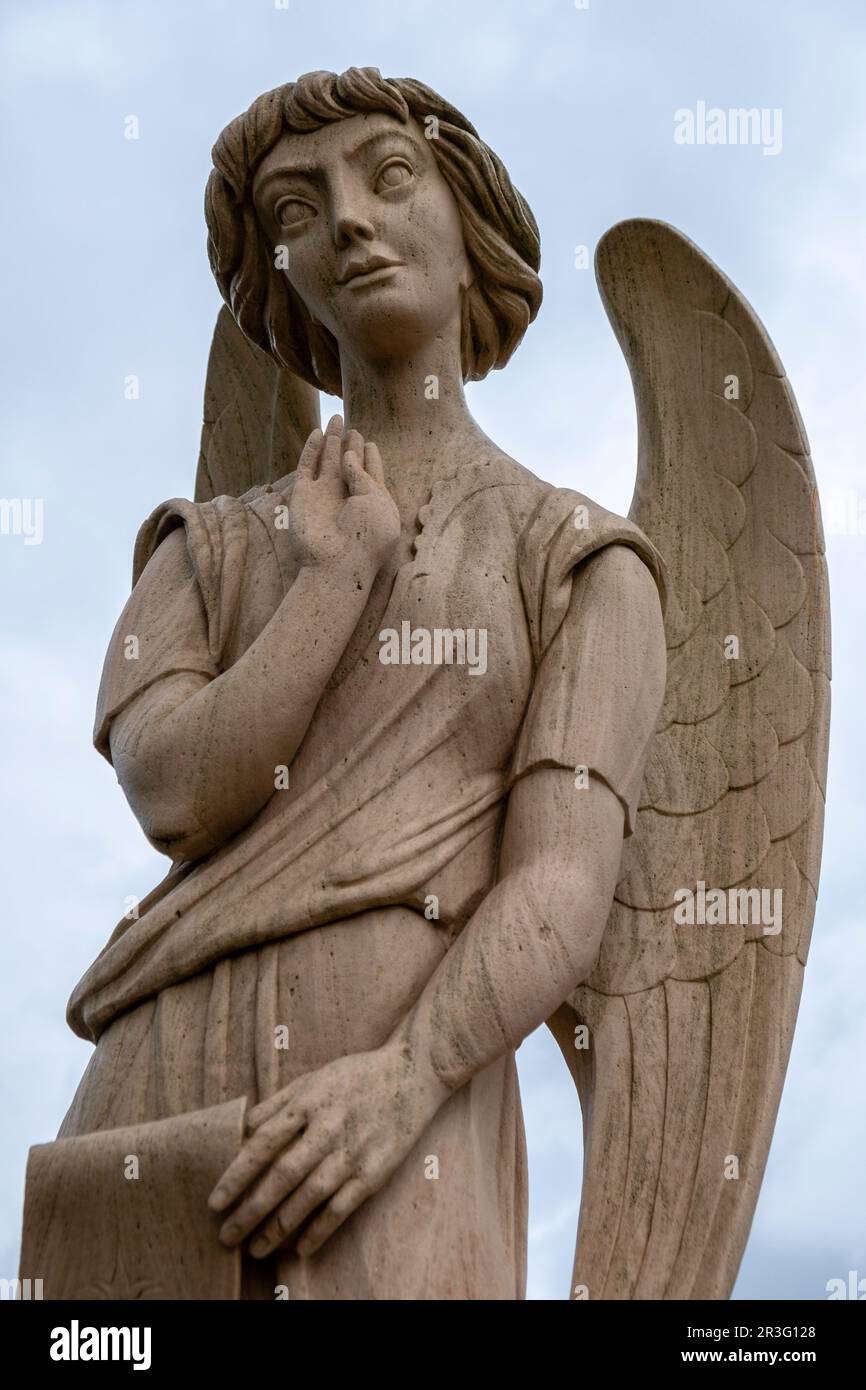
(366, 212)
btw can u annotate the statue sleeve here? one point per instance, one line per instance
(593, 595)
(161, 631)
(187, 574)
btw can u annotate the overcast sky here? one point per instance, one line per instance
(105, 274)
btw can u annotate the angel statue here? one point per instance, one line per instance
(440, 752)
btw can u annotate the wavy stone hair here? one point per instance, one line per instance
(499, 230)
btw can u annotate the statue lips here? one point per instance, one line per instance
(360, 273)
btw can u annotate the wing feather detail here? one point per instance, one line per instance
(690, 1024)
(257, 417)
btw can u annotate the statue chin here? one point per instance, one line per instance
(387, 324)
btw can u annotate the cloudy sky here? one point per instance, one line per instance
(105, 274)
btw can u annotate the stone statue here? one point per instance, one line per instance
(440, 752)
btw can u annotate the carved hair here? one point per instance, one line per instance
(499, 230)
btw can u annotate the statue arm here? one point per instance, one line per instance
(197, 754)
(537, 933)
(333, 1137)
(196, 757)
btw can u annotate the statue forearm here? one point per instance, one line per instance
(198, 761)
(532, 940)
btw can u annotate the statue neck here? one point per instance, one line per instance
(416, 412)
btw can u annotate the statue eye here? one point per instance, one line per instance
(291, 212)
(393, 175)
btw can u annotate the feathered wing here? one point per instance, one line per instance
(257, 416)
(690, 1027)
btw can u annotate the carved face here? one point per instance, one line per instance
(372, 233)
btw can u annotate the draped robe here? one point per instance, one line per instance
(326, 914)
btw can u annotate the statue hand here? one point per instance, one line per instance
(340, 508)
(322, 1145)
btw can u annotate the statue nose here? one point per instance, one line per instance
(351, 226)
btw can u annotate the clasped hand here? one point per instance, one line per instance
(340, 508)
